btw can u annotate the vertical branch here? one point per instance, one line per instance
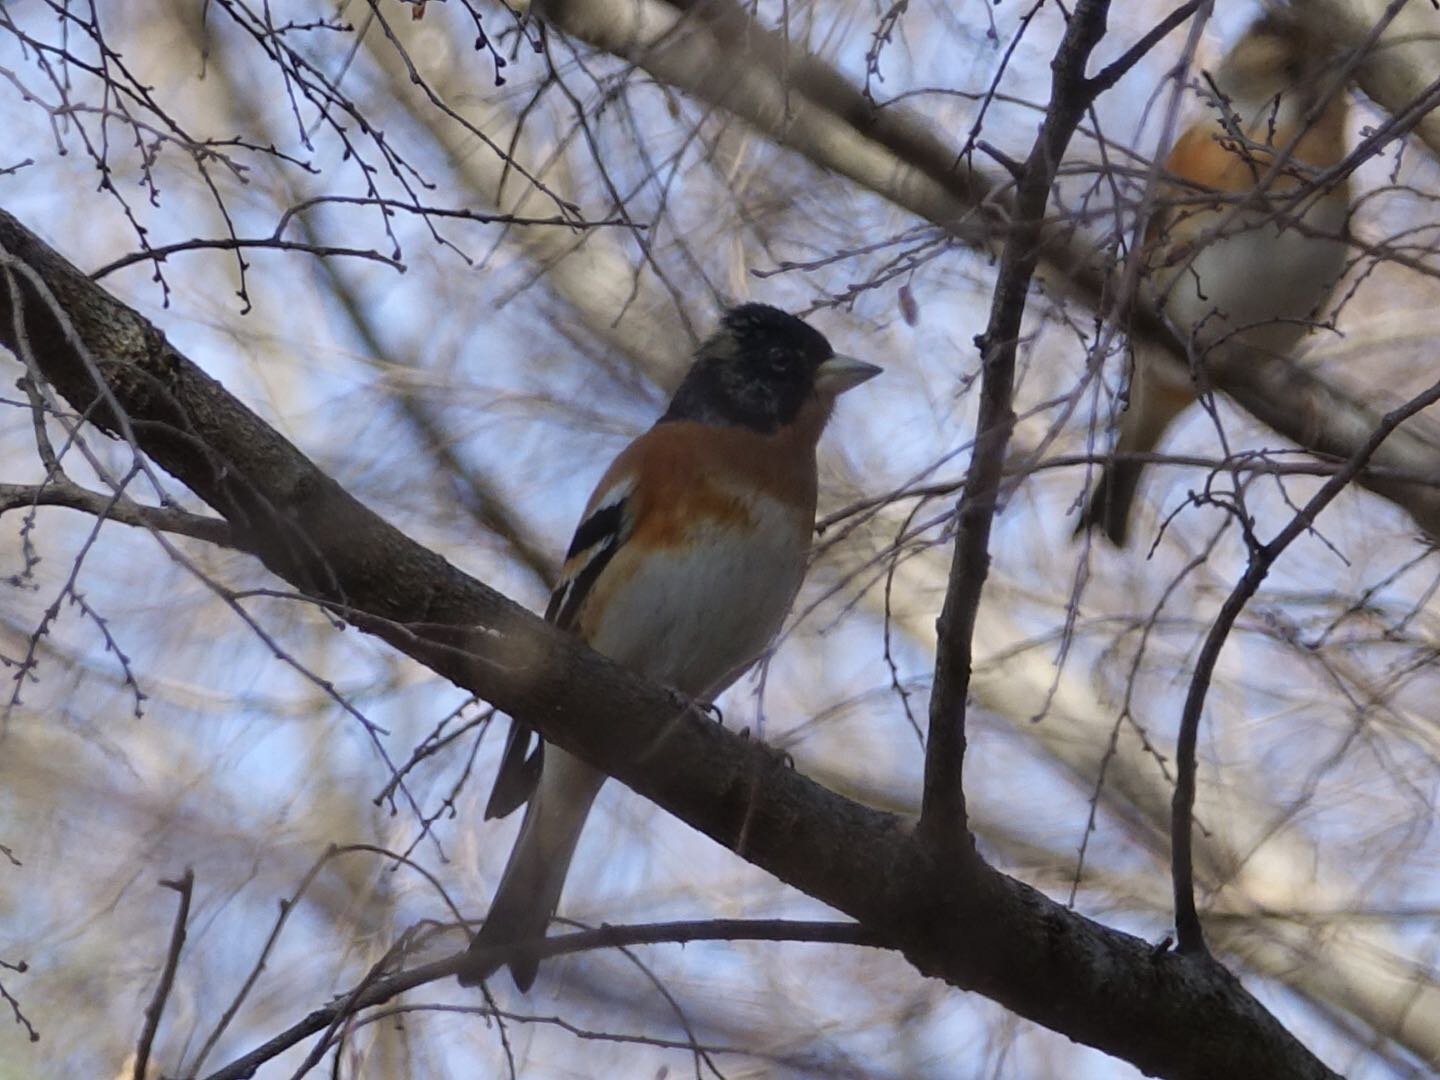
(185, 886)
(942, 814)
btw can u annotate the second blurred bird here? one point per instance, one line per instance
(1237, 277)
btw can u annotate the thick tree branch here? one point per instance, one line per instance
(1172, 1015)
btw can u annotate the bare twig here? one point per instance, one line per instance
(65, 492)
(19, 967)
(244, 243)
(287, 906)
(185, 886)
(383, 988)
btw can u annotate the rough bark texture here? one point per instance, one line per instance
(969, 925)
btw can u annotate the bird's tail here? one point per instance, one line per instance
(1159, 391)
(530, 888)
(1108, 508)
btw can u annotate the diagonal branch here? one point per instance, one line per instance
(185, 887)
(386, 987)
(1170, 1014)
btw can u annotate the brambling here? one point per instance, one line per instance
(1243, 275)
(685, 563)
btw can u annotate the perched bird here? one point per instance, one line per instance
(685, 563)
(1237, 276)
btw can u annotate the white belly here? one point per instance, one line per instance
(695, 615)
(1248, 280)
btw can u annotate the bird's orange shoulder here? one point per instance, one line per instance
(1202, 157)
(681, 473)
(1208, 155)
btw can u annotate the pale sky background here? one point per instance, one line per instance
(245, 769)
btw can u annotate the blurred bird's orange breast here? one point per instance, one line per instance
(1262, 266)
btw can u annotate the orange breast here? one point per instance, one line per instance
(684, 472)
(1207, 155)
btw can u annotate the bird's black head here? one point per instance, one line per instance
(756, 371)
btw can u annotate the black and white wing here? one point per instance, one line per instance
(605, 526)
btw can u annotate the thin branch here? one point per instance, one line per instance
(287, 907)
(942, 813)
(1188, 932)
(387, 206)
(185, 886)
(65, 492)
(161, 254)
(1114, 71)
(379, 990)
(21, 968)
(1258, 462)
(458, 213)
